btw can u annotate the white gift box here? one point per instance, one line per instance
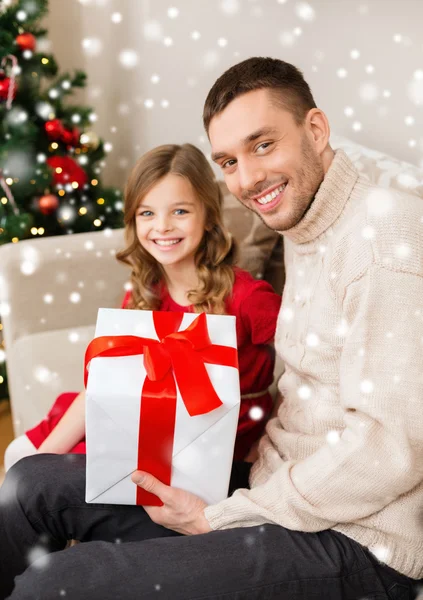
(203, 444)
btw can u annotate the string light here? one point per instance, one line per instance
(59, 169)
(34, 230)
(45, 61)
(75, 185)
(100, 201)
(41, 230)
(54, 145)
(4, 200)
(15, 240)
(94, 181)
(61, 192)
(97, 222)
(9, 181)
(83, 210)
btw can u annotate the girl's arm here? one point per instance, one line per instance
(69, 431)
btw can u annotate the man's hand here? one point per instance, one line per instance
(181, 511)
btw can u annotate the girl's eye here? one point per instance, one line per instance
(181, 211)
(228, 163)
(145, 213)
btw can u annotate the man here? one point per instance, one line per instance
(335, 505)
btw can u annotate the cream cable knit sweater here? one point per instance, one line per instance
(346, 449)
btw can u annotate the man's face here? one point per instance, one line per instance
(269, 163)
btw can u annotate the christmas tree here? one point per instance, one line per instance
(50, 157)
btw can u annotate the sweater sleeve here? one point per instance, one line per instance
(378, 456)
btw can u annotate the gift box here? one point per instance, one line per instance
(163, 396)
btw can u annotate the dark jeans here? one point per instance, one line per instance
(127, 556)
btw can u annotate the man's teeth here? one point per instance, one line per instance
(269, 197)
(166, 242)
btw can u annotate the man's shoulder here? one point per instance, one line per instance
(381, 226)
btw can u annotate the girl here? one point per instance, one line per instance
(182, 259)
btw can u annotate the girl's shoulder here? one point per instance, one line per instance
(245, 283)
(246, 286)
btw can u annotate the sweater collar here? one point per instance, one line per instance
(328, 202)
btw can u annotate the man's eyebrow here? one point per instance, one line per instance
(252, 137)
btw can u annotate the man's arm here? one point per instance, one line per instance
(376, 457)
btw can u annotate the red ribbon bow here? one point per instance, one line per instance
(180, 355)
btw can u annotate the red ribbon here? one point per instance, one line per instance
(180, 356)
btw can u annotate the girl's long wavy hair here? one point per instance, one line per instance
(216, 253)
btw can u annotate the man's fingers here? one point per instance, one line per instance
(151, 484)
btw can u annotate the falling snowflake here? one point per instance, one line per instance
(402, 251)
(172, 12)
(75, 297)
(153, 31)
(380, 202)
(304, 392)
(116, 17)
(287, 314)
(92, 46)
(230, 7)
(42, 374)
(333, 437)
(38, 557)
(128, 58)
(305, 11)
(368, 232)
(256, 413)
(369, 92)
(287, 38)
(312, 340)
(366, 386)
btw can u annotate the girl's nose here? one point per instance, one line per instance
(163, 225)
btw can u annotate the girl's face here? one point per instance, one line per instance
(170, 222)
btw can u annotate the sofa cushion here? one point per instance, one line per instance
(381, 169)
(45, 365)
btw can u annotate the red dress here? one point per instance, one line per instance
(256, 306)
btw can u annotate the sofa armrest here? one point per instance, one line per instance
(50, 291)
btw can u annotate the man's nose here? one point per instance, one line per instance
(249, 176)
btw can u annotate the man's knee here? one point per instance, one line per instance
(41, 475)
(73, 574)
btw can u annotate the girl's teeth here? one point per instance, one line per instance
(269, 197)
(166, 242)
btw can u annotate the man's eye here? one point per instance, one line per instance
(264, 145)
(228, 163)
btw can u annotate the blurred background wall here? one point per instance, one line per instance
(150, 64)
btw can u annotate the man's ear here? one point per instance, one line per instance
(318, 129)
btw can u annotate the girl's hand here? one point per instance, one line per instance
(181, 511)
(252, 456)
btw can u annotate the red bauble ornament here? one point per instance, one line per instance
(48, 204)
(71, 137)
(54, 129)
(26, 41)
(70, 171)
(4, 87)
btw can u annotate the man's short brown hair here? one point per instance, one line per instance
(286, 83)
